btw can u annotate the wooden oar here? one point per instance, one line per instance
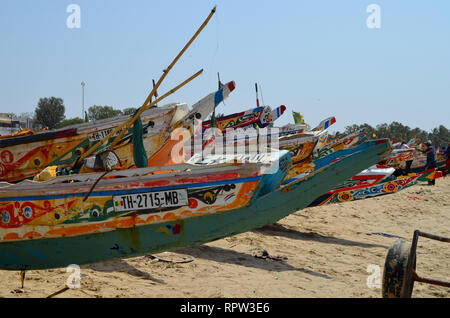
(127, 124)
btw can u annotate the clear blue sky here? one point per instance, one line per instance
(316, 57)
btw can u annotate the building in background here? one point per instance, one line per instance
(10, 123)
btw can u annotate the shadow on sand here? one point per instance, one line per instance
(280, 230)
(222, 255)
(122, 266)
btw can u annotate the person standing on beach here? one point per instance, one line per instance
(431, 159)
(447, 161)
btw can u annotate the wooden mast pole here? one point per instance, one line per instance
(165, 72)
(146, 104)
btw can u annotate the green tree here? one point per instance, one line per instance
(439, 137)
(129, 111)
(102, 112)
(50, 112)
(354, 128)
(419, 133)
(70, 122)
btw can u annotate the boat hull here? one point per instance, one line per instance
(389, 185)
(171, 235)
(24, 157)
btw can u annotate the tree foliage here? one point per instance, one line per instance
(50, 112)
(129, 111)
(102, 112)
(70, 122)
(439, 137)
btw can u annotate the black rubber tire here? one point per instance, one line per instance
(397, 274)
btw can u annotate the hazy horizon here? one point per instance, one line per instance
(318, 58)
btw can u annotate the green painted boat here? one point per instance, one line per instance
(268, 203)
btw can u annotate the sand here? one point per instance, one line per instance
(329, 250)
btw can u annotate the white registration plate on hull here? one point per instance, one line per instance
(99, 135)
(150, 200)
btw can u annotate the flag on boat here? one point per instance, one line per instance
(298, 118)
(324, 124)
(277, 112)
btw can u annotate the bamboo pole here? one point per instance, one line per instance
(165, 72)
(173, 90)
(146, 104)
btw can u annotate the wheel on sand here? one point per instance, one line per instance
(398, 268)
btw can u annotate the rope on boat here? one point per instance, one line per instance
(93, 186)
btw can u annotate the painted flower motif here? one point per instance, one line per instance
(28, 212)
(390, 187)
(5, 217)
(345, 196)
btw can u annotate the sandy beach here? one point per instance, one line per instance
(316, 252)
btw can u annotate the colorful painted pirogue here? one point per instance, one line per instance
(441, 159)
(372, 182)
(398, 158)
(299, 142)
(25, 156)
(291, 137)
(312, 146)
(342, 143)
(401, 168)
(411, 159)
(309, 153)
(313, 164)
(260, 117)
(77, 220)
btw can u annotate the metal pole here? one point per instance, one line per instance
(82, 99)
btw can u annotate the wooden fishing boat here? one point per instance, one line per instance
(411, 160)
(313, 145)
(398, 157)
(291, 137)
(24, 156)
(239, 141)
(81, 219)
(301, 144)
(399, 169)
(342, 143)
(159, 152)
(317, 163)
(373, 182)
(441, 159)
(163, 155)
(260, 117)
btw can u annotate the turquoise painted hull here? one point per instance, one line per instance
(139, 240)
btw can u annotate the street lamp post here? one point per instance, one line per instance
(12, 125)
(82, 99)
